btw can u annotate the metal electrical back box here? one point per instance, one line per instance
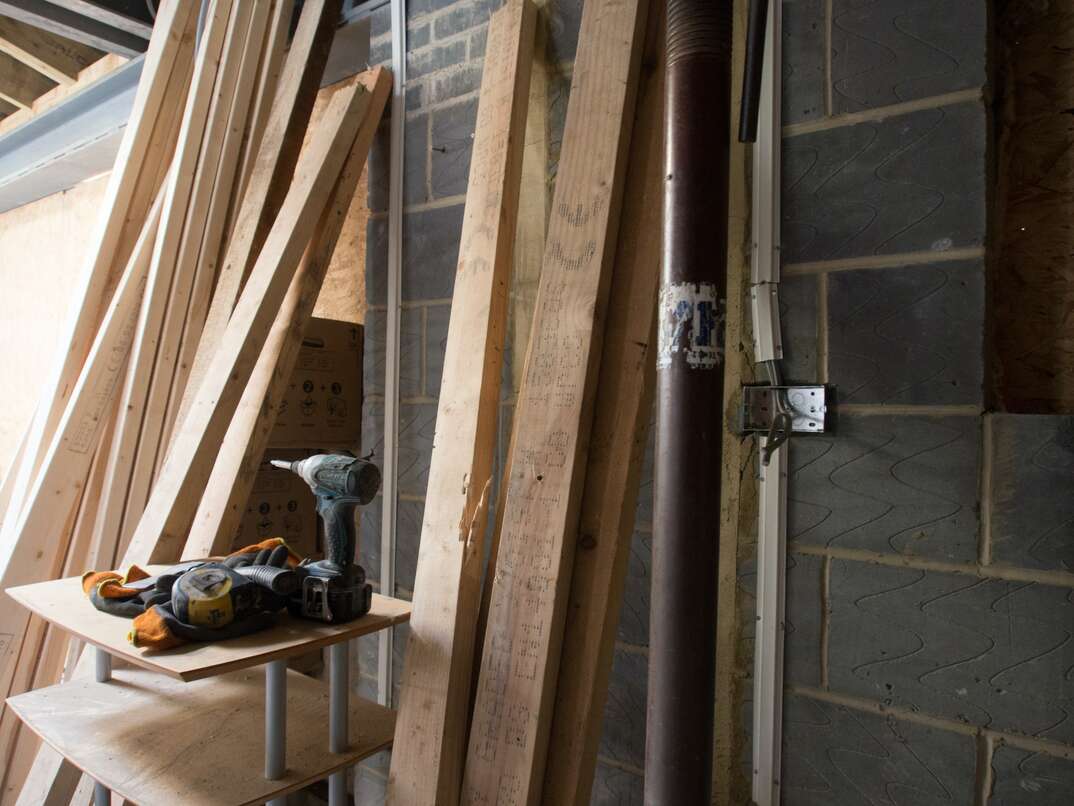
(323, 405)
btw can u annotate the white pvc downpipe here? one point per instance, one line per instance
(772, 516)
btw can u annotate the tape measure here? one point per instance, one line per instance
(203, 597)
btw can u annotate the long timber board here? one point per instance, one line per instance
(520, 656)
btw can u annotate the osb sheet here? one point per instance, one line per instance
(1032, 319)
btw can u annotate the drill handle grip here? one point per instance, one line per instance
(340, 540)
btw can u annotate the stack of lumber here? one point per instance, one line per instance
(507, 667)
(219, 222)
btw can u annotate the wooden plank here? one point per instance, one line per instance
(428, 759)
(268, 183)
(31, 638)
(53, 649)
(21, 85)
(202, 138)
(6, 108)
(162, 531)
(54, 56)
(124, 445)
(44, 526)
(505, 760)
(9, 477)
(224, 500)
(51, 781)
(268, 79)
(131, 189)
(63, 603)
(221, 142)
(739, 494)
(176, 248)
(51, 776)
(616, 449)
(534, 204)
(38, 551)
(77, 27)
(91, 724)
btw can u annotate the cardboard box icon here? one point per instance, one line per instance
(323, 405)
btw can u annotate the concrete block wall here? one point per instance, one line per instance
(931, 571)
(446, 42)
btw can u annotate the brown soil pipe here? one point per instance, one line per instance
(689, 428)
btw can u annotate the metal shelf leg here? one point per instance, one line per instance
(102, 672)
(276, 723)
(102, 665)
(338, 713)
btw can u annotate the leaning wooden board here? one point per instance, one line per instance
(175, 250)
(62, 602)
(155, 740)
(47, 519)
(163, 528)
(520, 658)
(616, 449)
(270, 172)
(222, 505)
(427, 763)
(132, 187)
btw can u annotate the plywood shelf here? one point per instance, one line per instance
(62, 602)
(156, 740)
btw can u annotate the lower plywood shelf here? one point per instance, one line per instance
(158, 741)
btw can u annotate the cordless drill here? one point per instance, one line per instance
(334, 589)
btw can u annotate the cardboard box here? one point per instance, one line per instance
(281, 505)
(323, 405)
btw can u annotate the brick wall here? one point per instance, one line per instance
(929, 599)
(446, 42)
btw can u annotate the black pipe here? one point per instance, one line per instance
(751, 76)
(689, 428)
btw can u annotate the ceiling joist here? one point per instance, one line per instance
(131, 16)
(56, 57)
(72, 25)
(19, 84)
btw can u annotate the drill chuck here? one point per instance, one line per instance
(336, 476)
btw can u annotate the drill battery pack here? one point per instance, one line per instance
(332, 597)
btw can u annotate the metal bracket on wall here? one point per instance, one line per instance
(779, 412)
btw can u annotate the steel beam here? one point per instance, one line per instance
(70, 142)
